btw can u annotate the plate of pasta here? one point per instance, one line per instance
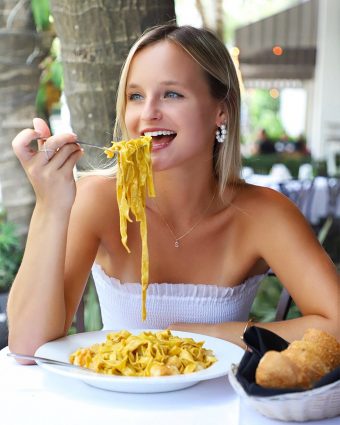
(141, 361)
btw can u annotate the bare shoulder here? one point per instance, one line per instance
(276, 226)
(265, 205)
(96, 185)
(267, 215)
(250, 192)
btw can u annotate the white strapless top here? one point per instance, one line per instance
(168, 303)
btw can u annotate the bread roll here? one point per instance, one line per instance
(302, 364)
(326, 345)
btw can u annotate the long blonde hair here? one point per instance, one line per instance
(211, 54)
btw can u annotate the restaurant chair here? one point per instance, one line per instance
(283, 305)
(301, 192)
(333, 185)
(79, 321)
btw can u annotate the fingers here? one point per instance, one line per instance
(21, 145)
(41, 127)
(51, 144)
(67, 153)
(51, 166)
(72, 160)
(55, 151)
(55, 144)
(46, 149)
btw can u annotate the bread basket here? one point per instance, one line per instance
(315, 404)
(320, 402)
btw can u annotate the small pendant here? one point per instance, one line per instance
(176, 244)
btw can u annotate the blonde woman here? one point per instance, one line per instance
(211, 237)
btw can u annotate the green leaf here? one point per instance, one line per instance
(10, 254)
(41, 13)
(57, 74)
(40, 100)
(92, 310)
(266, 301)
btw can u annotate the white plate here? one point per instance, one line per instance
(60, 349)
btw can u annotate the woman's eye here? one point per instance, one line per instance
(134, 96)
(172, 94)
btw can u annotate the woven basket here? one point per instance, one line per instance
(315, 404)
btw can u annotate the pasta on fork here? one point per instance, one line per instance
(134, 179)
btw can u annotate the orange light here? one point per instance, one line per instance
(277, 50)
(274, 93)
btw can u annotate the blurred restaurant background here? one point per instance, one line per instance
(287, 56)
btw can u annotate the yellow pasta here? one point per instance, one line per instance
(134, 178)
(146, 354)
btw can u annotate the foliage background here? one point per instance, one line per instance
(51, 82)
(10, 254)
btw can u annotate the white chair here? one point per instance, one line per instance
(332, 151)
(305, 172)
(301, 192)
(332, 147)
(280, 172)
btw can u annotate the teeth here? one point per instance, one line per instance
(159, 133)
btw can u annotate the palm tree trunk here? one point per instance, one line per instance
(95, 38)
(20, 53)
(216, 24)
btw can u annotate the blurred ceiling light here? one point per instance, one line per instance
(277, 50)
(274, 93)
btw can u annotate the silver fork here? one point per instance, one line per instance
(43, 139)
(49, 361)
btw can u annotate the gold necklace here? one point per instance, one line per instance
(177, 239)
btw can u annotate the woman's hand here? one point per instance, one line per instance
(50, 169)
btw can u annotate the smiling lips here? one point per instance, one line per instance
(160, 138)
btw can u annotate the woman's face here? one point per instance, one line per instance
(168, 97)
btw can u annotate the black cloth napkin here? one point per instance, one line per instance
(260, 341)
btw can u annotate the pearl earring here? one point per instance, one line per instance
(221, 133)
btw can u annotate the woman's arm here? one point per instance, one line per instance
(293, 252)
(36, 306)
(286, 242)
(67, 263)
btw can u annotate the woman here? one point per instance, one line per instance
(211, 237)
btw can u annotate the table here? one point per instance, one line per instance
(31, 395)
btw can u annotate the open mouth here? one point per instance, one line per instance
(160, 138)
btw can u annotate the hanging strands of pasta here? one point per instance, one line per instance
(134, 179)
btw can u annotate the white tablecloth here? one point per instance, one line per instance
(30, 395)
(320, 205)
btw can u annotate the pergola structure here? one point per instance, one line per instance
(300, 47)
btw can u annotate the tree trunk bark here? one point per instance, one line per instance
(95, 38)
(21, 51)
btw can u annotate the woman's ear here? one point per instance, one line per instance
(222, 114)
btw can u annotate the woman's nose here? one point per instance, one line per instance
(151, 111)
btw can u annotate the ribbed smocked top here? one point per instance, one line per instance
(168, 303)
